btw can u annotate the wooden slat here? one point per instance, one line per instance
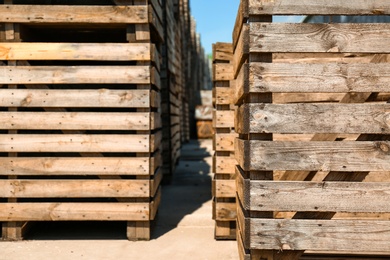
(223, 119)
(78, 98)
(223, 96)
(73, 14)
(76, 51)
(224, 164)
(319, 235)
(225, 142)
(76, 75)
(77, 121)
(74, 188)
(223, 72)
(335, 37)
(317, 7)
(324, 78)
(224, 188)
(318, 196)
(74, 211)
(225, 211)
(75, 143)
(47, 166)
(313, 118)
(345, 156)
(222, 51)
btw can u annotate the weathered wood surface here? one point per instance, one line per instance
(316, 196)
(224, 142)
(224, 188)
(74, 211)
(136, 98)
(335, 37)
(47, 166)
(78, 75)
(222, 51)
(223, 119)
(313, 156)
(74, 14)
(225, 211)
(77, 143)
(74, 188)
(316, 7)
(313, 118)
(319, 235)
(224, 164)
(77, 51)
(315, 78)
(223, 72)
(79, 121)
(223, 95)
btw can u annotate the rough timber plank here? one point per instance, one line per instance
(345, 156)
(319, 235)
(223, 95)
(223, 119)
(48, 166)
(75, 143)
(76, 75)
(316, 78)
(74, 188)
(76, 51)
(224, 164)
(224, 142)
(136, 98)
(224, 188)
(317, 7)
(335, 37)
(78, 121)
(225, 211)
(223, 72)
(222, 51)
(73, 14)
(317, 196)
(74, 211)
(314, 118)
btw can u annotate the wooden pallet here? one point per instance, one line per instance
(80, 128)
(303, 180)
(224, 186)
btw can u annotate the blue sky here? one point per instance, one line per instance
(215, 20)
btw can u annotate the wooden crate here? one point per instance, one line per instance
(80, 124)
(224, 186)
(313, 139)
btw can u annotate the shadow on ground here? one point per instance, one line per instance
(189, 190)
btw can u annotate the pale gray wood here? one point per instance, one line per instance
(314, 118)
(345, 156)
(318, 7)
(283, 37)
(320, 235)
(319, 196)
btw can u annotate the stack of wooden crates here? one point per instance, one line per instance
(79, 100)
(313, 173)
(224, 184)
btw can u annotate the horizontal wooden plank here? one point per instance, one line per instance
(225, 211)
(313, 118)
(223, 96)
(224, 164)
(313, 78)
(345, 156)
(78, 121)
(135, 98)
(222, 51)
(317, 7)
(284, 98)
(224, 142)
(47, 166)
(76, 143)
(74, 211)
(318, 196)
(223, 72)
(76, 51)
(334, 37)
(73, 14)
(76, 75)
(223, 119)
(319, 235)
(74, 188)
(224, 188)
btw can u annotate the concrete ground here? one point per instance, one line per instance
(184, 228)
